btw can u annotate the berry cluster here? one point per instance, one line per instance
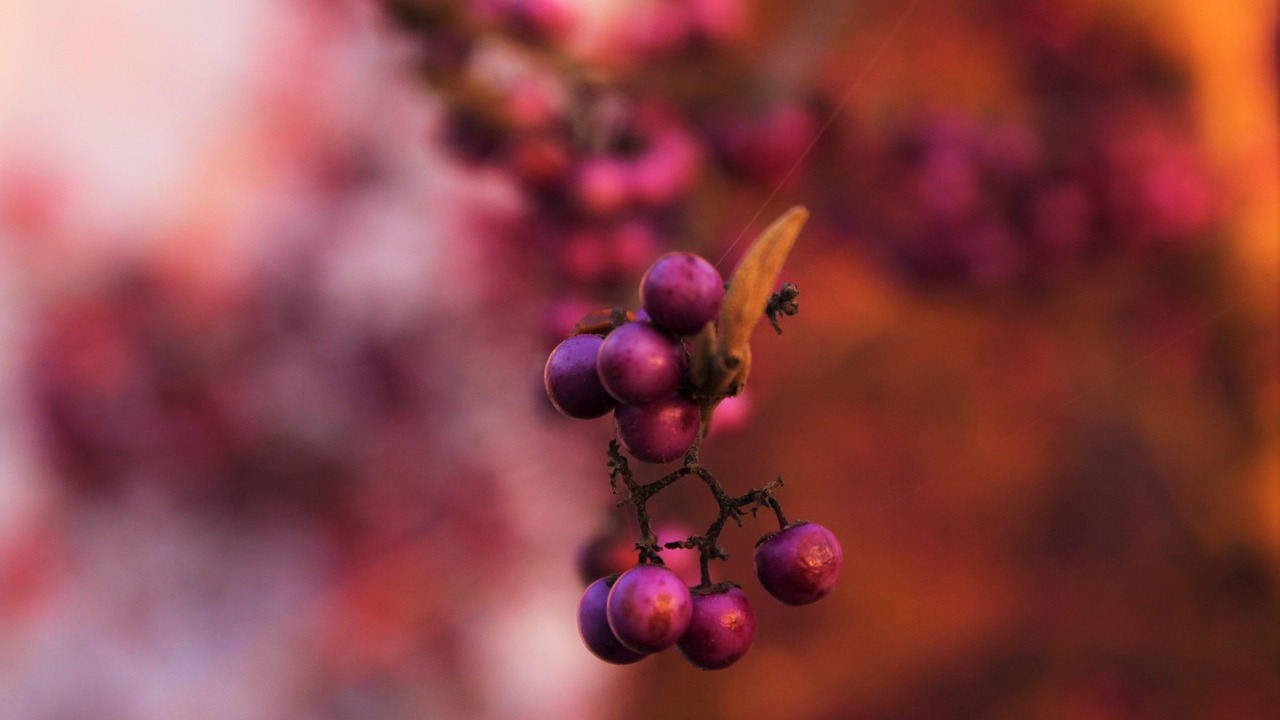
(663, 371)
(635, 368)
(1103, 164)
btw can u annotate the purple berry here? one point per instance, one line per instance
(660, 431)
(721, 629)
(799, 564)
(593, 625)
(639, 363)
(649, 608)
(571, 379)
(682, 292)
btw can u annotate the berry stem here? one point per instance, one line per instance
(731, 507)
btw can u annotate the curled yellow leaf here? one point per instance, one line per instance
(721, 363)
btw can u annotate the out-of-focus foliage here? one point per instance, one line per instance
(277, 279)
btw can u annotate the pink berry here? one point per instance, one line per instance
(649, 608)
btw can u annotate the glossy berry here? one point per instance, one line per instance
(660, 431)
(682, 292)
(593, 625)
(571, 380)
(721, 629)
(799, 564)
(639, 363)
(649, 608)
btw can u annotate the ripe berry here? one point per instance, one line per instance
(682, 292)
(721, 629)
(571, 380)
(593, 625)
(660, 431)
(649, 608)
(799, 564)
(639, 364)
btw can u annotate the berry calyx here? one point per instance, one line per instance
(799, 564)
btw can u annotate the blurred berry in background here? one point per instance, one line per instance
(278, 277)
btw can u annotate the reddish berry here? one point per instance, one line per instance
(799, 564)
(721, 629)
(659, 432)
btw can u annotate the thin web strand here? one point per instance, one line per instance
(831, 118)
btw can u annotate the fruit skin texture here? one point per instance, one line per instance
(593, 625)
(649, 608)
(660, 431)
(639, 363)
(571, 380)
(799, 564)
(682, 292)
(721, 630)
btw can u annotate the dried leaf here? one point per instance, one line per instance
(702, 350)
(753, 281)
(726, 368)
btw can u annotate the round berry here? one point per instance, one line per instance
(800, 563)
(593, 625)
(639, 363)
(649, 608)
(682, 292)
(571, 379)
(660, 431)
(721, 629)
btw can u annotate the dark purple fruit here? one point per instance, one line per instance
(649, 608)
(639, 363)
(571, 379)
(660, 431)
(721, 629)
(682, 292)
(593, 625)
(799, 564)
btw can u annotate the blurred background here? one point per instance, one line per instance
(278, 280)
